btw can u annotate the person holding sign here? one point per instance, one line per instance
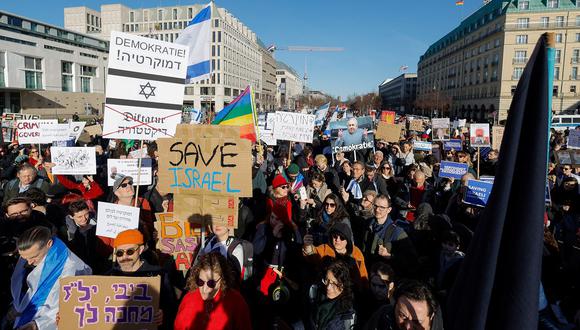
(124, 194)
(354, 135)
(44, 259)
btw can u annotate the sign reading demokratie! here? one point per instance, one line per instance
(145, 86)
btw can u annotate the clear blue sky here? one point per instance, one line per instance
(379, 35)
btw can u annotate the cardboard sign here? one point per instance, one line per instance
(94, 130)
(31, 131)
(74, 160)
(295, 127)
(416, 125)
(456, 145)
(441, 129)
(574, 139)
(177, 238)
(477, 192)
(388, 117)
(207, 209)
(479, 135)
(117, 168)
(108, 302)
(389, 132)
(145, 87)
(217, 165)
(422, 146)
(452, 170)
(497, 137)
(114, 218)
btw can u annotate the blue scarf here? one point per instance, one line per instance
(325, 217)
(51, 271)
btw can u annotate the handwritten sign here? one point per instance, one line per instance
(129, 167)
(30, 131)
(441, 129)
(477, 192)
(74, 160)
(497, 136)
(108, 302)
(416, 125)
(145, 85)
(452, 170)
(297, 127)
(389, 132)
(479, 135)
(177, 238)
(114, 218)
(207, 209)
(422, 146)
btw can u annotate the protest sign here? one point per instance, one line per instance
(94, 130)
(145, 87)
(11, 116)
(54, 132)
(320, 114)
(74, 160)
(30, 131)
(352, 134)
(389, 132)
(416, 125)
(479, 135)
(295, 127)
(568, 157)
(456, 145)
(177, 238)
(108, 302)
(497, 137)
(117, 168)
(114, 218)
(487, 178)
(441, 130)
(139, 153)
(388, 117)
(207, 209)
(452, 170)
(215, 165)
(477, 192)
(422, 146)
(574, 139)
(76, 129)
(266, 128)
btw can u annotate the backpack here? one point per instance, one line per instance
(248, 259)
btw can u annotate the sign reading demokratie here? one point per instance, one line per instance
(145, 86)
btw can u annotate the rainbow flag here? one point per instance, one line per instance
(240, 113)
(459, 3)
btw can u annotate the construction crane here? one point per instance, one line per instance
(274, 48)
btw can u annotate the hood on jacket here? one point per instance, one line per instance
(344, 230)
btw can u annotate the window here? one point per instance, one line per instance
(555, 91)
(87, 73)
(522, 39)
(578, 34)
(132, 17)
(523, 5)
(556, 73)
(574, 74)
(33, 72)
(216, 23)
(558, 55)
(160, 15)
(517, 73)
(520, 57)
(174, 13)
(560, 21)
(559, 37)
(145, 15)
(88, 19)
(575, 56)
(497, 43)
(523, 23)
(545, 21)
(67, 76)
(573, 89)
(553, 3)
(190, 13)
(2, 66)
(578, 20)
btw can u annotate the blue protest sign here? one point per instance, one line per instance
(477, 192)
(422, 146)
(452, 145)
(452, 170)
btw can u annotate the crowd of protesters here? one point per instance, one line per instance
(372, 240)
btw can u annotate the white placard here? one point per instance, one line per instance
(54, 132)
(139, 153)
(441, 129)
(479, 135)
(145, 87)
(76, 128)
(129, 167)
(114, 218)
(74, 160)
(295, 127)
(30, 131)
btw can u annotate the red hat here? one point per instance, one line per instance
(425, 136)
(278, 181)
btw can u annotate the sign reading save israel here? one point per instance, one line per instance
(452, 170)
(145, 87)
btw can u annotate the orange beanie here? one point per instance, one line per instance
(131, 236)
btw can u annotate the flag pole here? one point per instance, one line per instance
(138, 174)
(478, 160)
(551, 58)
(254, 118)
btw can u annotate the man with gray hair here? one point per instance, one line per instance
(26, 177)
(354, 135)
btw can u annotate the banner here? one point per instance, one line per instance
(114, 218)
(30, 131)
(177, 238)
(452, 170)
(497, 137)
(479, 135)
(477, 192)
(207, 209)
(388, 117)
(145, 87)
(108, 302)
(74, 160)
(574, 139)
(422, 146)
(441, 130)
(352, 134)
(266, 128)
(416, 125)
(295, 127)
(389, 132)
(456, 145)
(117, 168)
(320, 114)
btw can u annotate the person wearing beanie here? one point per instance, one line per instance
(124, 194)
(129, 246)
(295, 178)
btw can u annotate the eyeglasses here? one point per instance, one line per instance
(380, 207)
(124, 185)
(129, 252)
(387, 168)
(328, 282)
(210, 283)
(284, 186)
(23, 212)
(329, 204)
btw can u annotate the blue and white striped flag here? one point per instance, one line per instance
(197, 36)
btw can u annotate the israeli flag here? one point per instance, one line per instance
(197, 36)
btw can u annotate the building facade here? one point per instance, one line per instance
(473, 71)
(236, 56)
(289, 86)
(399, 93)
(266, 100)
(48, 70)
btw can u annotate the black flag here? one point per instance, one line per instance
(498, 284)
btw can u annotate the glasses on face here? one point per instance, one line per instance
(388, 168)
(210, 283)
(328, 282)
(124, 185)
(129, 252)
(380, 207)
(338, 237)
(327, 204)
(15, 214)
(283, 186)
(567, 169)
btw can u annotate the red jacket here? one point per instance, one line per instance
(93, 193)
(229, 311)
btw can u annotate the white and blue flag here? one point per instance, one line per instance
(197, 36)
(321, 114)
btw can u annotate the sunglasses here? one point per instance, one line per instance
(329, 204)
(210, 283)
(284, 186)
(129, 252)
(338, 236)
(124, 185)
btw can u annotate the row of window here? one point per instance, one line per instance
(93, 20)
(544, 22)
(525, 4)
